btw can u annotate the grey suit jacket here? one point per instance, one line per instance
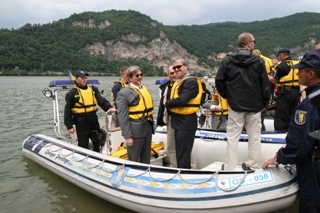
(135, 129)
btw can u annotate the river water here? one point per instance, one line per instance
(25, 186)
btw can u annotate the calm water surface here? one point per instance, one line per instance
(25, 186)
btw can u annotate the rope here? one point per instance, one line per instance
(164, 180)
(196, 182)
(233, 189)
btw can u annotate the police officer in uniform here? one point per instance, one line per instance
(288, 95)
(301, 149)
(81, 108)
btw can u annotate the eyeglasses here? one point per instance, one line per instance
(137, 75)
(254, 41)
(177, 67)
(171, 73)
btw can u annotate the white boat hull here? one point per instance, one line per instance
(148, 188)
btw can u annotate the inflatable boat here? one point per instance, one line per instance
(155, 187)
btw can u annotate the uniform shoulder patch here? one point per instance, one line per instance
(300, 117)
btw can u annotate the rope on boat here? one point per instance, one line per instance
(165, 179)
(148, 170)
(133, 176)
(91, 167)
(201, 182)
(233, 189)
(59, 148)
(85, 157)
(116, 169)
(66, 155)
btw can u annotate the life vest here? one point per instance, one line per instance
(193, 105)
(267, 61)
(268, 64)
(145, 105)
(123, 153)
(292, 79)
(221, 102)
(122, 86)
(87, 100)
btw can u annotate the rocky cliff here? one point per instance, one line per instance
(158, 52)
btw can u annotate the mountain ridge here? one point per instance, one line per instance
(101, 42)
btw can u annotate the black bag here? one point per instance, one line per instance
(102, 136)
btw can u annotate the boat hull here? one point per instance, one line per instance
(148, 188)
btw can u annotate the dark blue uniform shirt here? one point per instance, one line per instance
(298, 148)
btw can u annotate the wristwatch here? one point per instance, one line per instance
(275, 160)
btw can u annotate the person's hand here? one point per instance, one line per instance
(129, 141)
(268, 163)
(71, 131)
(218, 109)
(112, 110)
(207, 105)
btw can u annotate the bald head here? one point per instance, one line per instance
(245, 40)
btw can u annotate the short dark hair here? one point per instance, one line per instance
(316, 70)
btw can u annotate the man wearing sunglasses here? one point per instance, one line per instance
(135, 109)
(184, 103)
(242, 80)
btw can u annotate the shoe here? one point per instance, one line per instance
(222, 167)
(245, 167)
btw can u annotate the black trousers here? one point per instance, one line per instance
(87, 127)
(286, 103)
(184, 140)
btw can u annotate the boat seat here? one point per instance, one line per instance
(217, 166)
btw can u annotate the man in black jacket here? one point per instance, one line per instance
(242, 80)
(81, 108)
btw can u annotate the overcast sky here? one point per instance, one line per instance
(17, 13)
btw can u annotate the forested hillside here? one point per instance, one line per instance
(56, 47)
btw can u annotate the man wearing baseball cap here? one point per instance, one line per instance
(301, 149)
(288, 93)
(80, 110)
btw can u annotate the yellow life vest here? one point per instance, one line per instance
(193, 105)
(123, 154)
(267, 61)
(268, 64)
(292, 79)
(87, 101)
(145, 105)
(122, 86)
(224, 104)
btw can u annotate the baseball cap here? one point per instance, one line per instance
(310, 59)
(283, 50)
(81, 73)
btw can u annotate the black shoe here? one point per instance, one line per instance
(246, 168)
(222, 167)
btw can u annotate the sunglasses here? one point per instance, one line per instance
(177, 67)
(171, 73)
(137, 75)
(254, 41)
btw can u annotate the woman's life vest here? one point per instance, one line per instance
(193, 105)
(145, 106)
(292, 79)
(87, 101)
